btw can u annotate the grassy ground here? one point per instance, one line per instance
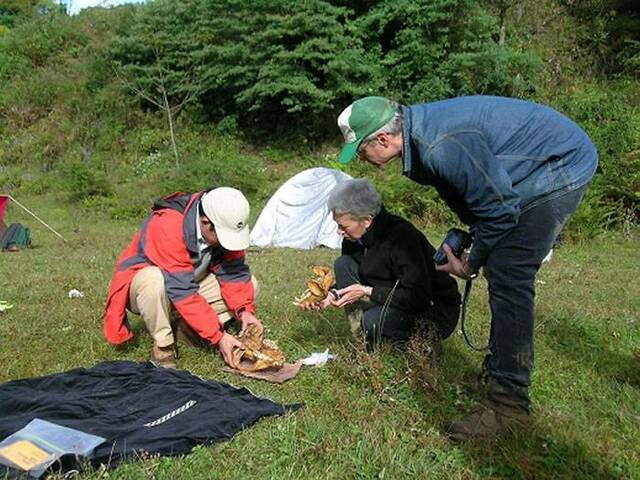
(365, 416)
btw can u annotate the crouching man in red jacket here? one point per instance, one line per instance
(189, 253)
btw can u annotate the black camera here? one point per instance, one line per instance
(458, 240)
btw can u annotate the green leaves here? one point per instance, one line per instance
(443, 48)
(259, 58)
(297, 67)
(281, 62)
(160, 50)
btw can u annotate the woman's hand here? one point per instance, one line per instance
(321, 305)
(351, 294)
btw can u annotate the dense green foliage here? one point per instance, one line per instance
(254, 62)
(436, 49)
(261, 62)
(255, 87)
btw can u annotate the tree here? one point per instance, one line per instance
(502, 7)
(156, 60)
(609, 30)
(432, 49)
(282, 65)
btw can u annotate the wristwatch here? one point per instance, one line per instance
(470, 276)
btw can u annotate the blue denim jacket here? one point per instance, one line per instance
(491, 158)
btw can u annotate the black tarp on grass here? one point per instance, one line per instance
(137, 407)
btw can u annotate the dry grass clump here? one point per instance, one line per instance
(423, 351)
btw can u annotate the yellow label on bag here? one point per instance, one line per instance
(24, 454)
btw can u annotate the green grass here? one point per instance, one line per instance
(363, 418)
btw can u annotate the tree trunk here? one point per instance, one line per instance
(503, 27)
(167, 108)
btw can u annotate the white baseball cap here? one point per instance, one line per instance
(228, 209)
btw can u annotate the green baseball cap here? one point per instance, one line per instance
(361, 119)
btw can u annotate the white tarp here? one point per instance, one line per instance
(296, 215)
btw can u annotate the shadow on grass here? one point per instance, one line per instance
(576, 342)
(540, 453)
(140, 336)
(537, 453)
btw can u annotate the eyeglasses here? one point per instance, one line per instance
(364, 145)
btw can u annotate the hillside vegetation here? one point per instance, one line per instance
(254, 89)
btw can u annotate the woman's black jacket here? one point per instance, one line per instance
(393, 249)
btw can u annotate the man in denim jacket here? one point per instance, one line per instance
(514, 171)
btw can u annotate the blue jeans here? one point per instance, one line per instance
(388, 322)
(510, 270)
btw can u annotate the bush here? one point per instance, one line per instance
(612, 120)
(81, 181)
(10, 178)
(292, 70)
(36, 39)
(443, 48)
(594, 214)
(205, 164)
(402, 196)
(117, 208)
(278, 66)
(281, 75)
(218, 164)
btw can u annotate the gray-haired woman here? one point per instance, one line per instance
(386, 277)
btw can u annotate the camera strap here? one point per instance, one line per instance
(463, 314)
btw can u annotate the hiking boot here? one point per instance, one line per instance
(184, 334)
(164, 357)
(486, 422)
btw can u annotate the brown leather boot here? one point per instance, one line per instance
(487, 422)
(164, 357)
(506, 411)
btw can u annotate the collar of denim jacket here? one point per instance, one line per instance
(406, 140)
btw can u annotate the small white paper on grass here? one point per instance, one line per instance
(5, 305)
(318, 358)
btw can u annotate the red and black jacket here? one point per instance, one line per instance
(167, 240)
